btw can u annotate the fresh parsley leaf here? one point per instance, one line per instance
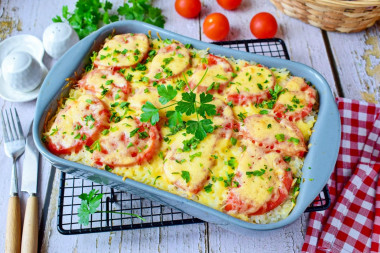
(187, 104)
(150, 113)
(174, 118)
(205, 108)
(199, 128)
(167, 93)
(90, 202)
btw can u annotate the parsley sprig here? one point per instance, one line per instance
(89, 204)
(189, 104)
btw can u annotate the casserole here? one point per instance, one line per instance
(321, 157)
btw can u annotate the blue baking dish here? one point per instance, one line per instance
(321, 158)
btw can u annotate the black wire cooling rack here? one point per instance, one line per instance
(155, 214)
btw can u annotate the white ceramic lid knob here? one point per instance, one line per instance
(58, 38)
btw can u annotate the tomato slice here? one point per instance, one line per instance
(219, 73)
(78, 124)
(169, 62)
(251, 85)
(297, 102)
(263, 183)
(275, 134)
(127, 143)
(124, 50)
(106, 83)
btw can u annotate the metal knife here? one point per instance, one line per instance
(29, 242)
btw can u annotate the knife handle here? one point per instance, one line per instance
(13, 234)
(29, 242)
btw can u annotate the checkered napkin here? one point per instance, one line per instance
(352, 223)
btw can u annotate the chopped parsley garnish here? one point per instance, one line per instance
(233, 141)
(208, 188)
(198, 154)
(294, 140)
(257, 173)
(221, 77)
(185, 175)
(280, 137)
(143, 135)
(88, 118)
(129, 77)
(133, 132)
(232, 162)
(154, 183)
(242, 116)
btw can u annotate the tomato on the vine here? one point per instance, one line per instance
(229, 4)
(188, 8)
(263, 25)
(216, 26)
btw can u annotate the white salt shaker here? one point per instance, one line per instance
(22, 71)
(58, 38)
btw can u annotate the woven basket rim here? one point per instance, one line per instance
(347, 4)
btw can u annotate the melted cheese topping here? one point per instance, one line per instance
(206, 171)
(170, 61)
(253, 80)
(123, 50)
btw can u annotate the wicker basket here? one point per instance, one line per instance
(333, 15)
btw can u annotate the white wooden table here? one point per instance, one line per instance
(349, 62)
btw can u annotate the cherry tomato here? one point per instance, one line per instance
(229, 4)
(188, 8)
(216, 26)
(263, 25)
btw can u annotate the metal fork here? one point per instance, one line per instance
(14, 146)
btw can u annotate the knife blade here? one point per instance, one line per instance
(30, 165)
(29, 241)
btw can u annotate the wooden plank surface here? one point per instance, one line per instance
(355, 55)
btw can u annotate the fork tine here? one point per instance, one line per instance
(10, 133)
(15, 130)
(19, 127)
(5, 132)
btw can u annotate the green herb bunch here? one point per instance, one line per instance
(89, 15)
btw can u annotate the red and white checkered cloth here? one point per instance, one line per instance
(352, 223)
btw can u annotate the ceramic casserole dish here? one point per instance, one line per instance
(322, 154)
